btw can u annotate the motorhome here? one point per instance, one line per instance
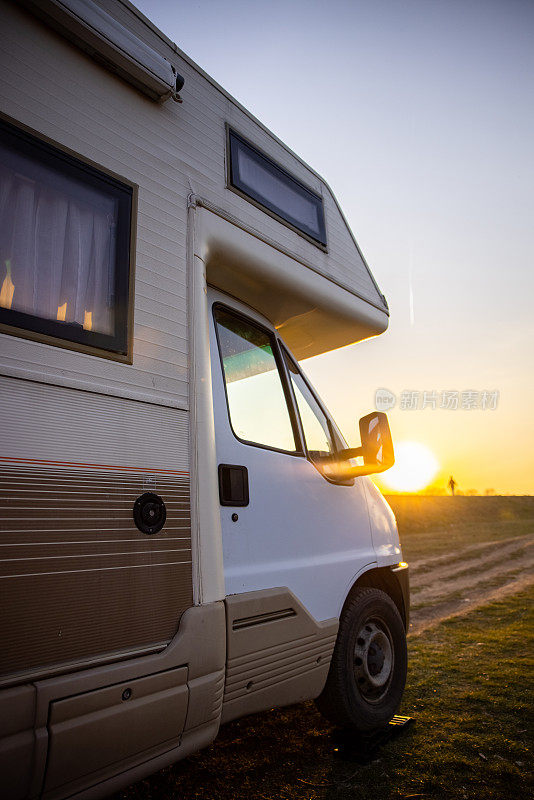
(186, 536)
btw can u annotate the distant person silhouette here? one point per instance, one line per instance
(452, 485)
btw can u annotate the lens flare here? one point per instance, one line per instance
(415, 467)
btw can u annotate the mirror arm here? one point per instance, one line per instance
(350, 452)
(376, 439)
(347, 472)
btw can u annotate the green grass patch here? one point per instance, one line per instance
(435, 526)
(420, 513)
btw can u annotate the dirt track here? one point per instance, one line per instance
(476, 575)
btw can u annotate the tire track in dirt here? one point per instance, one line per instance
(443, 581)
(484, 571)
(457, 609)
(422, 565)
(438, 595)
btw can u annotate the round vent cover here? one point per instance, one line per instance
(149, 513)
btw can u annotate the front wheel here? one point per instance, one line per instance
(368, 668)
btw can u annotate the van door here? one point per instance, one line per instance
(287, 525)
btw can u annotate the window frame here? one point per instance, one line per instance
(288, 395)
(333, 434)
(117, 346)
(320, 241)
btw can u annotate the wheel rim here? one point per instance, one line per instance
(373, 660)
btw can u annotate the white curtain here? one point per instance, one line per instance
(57, 248)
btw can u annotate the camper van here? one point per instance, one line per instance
(186, 536)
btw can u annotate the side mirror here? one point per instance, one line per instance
(377, 444)
(376, 449)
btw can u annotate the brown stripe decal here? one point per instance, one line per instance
(78, 580)
(40, 462)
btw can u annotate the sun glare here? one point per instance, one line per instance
(415, 467)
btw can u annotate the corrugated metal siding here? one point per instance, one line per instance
(52, 423)
(51, 87)
(169, 151)
(207, 108)
(80, 580)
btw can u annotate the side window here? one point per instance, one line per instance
(64, 246)
(265, 182)
(317, 430)
(256, 399)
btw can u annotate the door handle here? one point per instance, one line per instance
(233, 485)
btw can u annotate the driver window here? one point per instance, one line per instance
(256, 399)
(315, 424)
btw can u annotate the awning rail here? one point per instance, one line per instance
(96, 32)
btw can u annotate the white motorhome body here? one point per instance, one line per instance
(167, 560)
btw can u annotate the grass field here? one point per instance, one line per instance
(469, 689)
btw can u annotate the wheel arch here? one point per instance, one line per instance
(345, 699)
(385, 579)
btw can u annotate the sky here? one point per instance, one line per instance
(420, 116)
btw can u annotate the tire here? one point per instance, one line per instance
(368, 668)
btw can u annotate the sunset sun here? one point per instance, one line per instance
(415, 467)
